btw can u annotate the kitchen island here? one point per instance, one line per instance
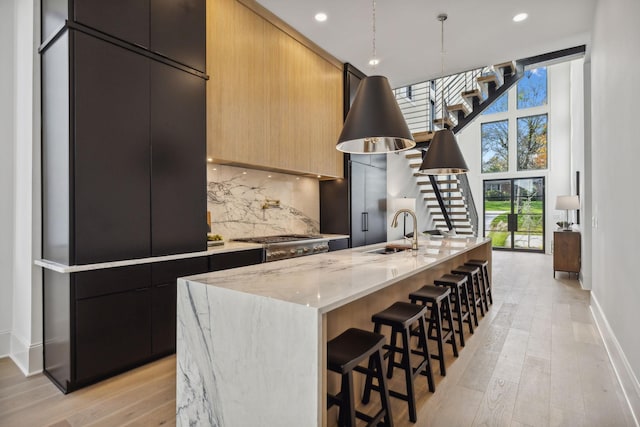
(251, 341)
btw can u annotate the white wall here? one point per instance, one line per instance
(7, 41)
(615, 154)
(558, 176)
(26, 337)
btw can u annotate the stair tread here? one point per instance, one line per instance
(446, 122)
(444, 198)
(463, 106)
(414, 156)
(424, 136)
(510, 65)
(474, 93)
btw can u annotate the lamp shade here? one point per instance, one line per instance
(375, 123)
(404, 203)
(567, 202)
(443, 157)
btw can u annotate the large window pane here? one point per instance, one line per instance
(532, 88)
(532, 142)
(500, 105)
(495, 146)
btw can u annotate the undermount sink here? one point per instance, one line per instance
(387, 251)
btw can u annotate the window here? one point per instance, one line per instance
(532, 88)
(495, 146)
(500, 105)
(532, 142)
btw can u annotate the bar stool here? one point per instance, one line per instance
(484, 276)
(458, 286)
(436, 298)
(400, 316)
(344, 355)
(473, 286)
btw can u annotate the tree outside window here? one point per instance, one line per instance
(532, 88)
(495, 146)
(532, 142)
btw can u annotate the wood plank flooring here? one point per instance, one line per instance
(535, 360)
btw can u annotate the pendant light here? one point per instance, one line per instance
(443, 157)
(375, 124)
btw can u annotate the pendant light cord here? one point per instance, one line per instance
(442, 17)
(374, 57)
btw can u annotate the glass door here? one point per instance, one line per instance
(514, 213)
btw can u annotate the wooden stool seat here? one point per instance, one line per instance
(344, 355)
(400, 317)
(436, 298)
(458, 285)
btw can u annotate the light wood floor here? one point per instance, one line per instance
(535, 360)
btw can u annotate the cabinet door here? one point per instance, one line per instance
(125, 19)
(178, 138)
(236, 259)
(178, 30)
(112, 333)
(376, 205)
(112, 152)
(163, 300)
(358, 209)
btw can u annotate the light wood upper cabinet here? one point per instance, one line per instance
(272, 102)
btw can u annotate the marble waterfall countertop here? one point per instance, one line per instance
(251, 341)
(329, 280)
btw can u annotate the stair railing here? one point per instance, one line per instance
(471, 205)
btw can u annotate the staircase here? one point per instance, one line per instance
(451, 102)
(455, 199)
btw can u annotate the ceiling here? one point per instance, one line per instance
(477, 33)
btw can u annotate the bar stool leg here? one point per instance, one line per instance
(378, 361)
(447, 312)
(428, 372)
(347, 414)
(437, 325)
(408, 373)
(467, 306)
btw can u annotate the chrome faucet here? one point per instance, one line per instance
(394, 224)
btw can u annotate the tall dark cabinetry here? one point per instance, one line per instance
(124, 158)
(357, 204)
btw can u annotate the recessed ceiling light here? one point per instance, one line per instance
(321, 16)
(374, 61)
(244, 173)
(209, 159)
(319, 176)
(268, 176)
(520, 17)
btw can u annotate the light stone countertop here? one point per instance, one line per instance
(329, 280)
(229, 246)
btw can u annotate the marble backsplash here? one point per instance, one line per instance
(242, 202)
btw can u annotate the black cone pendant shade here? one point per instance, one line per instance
(443, 156)
(374, 123)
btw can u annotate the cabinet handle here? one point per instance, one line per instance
(365, 221)
(164, 285)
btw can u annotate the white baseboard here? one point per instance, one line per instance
(27, 357)
(621, 366)
(5, 343)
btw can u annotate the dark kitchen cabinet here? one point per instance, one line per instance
(112, 152)
(175, 29)
(125, 19)
(368, 204)
(178, 31)
(356, 205)
(178, 174)
(112, 333)
(226, 260)
(123, 166)
(163, 300)
(112, 321)
(102, 322)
